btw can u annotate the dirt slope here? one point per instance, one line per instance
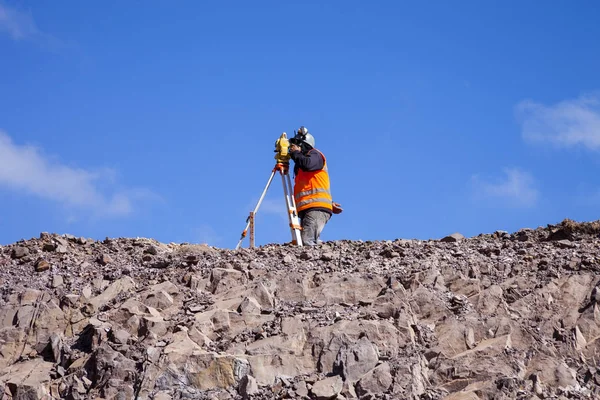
(500, 316)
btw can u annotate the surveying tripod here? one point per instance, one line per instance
(283, 167)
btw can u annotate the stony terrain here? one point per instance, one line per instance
(497, 316)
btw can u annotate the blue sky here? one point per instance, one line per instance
(119, 119)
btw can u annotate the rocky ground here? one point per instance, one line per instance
(497, 316)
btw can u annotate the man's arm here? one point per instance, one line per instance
(309, 162)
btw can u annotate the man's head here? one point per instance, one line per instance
(304, 139)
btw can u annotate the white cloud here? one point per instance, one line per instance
(565, 124)
(24, 168)
(18, 24)
(517, 188)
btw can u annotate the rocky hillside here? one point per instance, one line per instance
(498, 316)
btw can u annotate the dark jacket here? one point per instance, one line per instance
(308, 161)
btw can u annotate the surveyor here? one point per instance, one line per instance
(312, 191)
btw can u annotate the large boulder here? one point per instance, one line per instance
(28, 380)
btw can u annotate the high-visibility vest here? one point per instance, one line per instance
(311, 188)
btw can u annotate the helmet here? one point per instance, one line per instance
(310, 140)
(305, 136)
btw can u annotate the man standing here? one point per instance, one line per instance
(311, 187)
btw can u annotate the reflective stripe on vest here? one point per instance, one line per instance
(324, 200)
(311, 189)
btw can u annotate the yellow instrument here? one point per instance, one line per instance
(282, 146)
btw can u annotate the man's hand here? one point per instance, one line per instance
(295, 147)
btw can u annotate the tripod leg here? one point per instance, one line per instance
(253, 213)
(291, 208)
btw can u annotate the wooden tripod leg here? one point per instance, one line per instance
(253, 213)
(251, 229)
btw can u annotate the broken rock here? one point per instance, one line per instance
(455, 237)
(20, 252)
(121, 336)
(375, 381)
(105, 259)
(249, 306)
(328, 388)
(264, 297)
(357, 359)
(438, 320)
(159, 299)
(112, 291)
(29, 380)
(153, 325)
(57, 281)
(223, 279)
(248, 386)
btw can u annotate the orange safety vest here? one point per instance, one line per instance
(311, 189)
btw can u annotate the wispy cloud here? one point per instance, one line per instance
(516, 188)
(18, 24)
(565, 124)
(26, 169)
